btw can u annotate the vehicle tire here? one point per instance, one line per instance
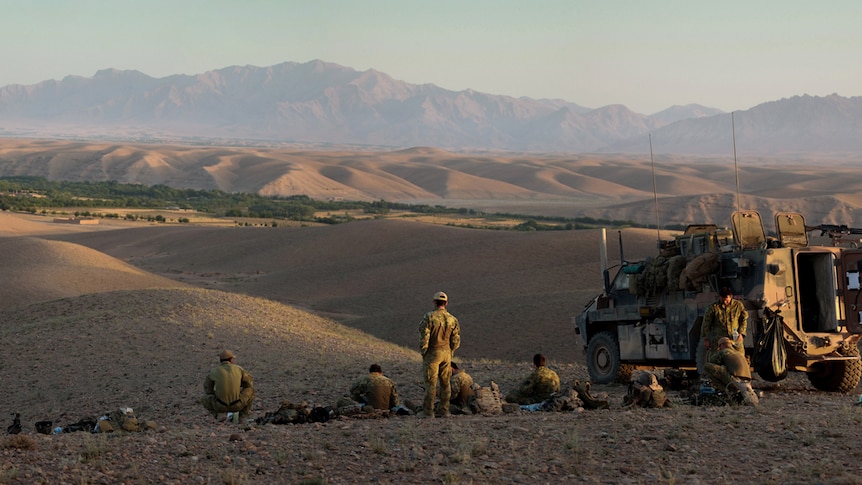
(603, 359)
(836, 375)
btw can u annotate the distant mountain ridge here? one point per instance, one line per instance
(313, 102)
(323, 103)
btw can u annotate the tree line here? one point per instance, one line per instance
(34, 194)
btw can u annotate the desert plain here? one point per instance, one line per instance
(125, 314)
(826, 189)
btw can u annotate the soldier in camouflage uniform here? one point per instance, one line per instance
(538, 386)
(724, 318)
(228, 388)
(439, 337)
(729, 371)
(461, 385)
(375, 389)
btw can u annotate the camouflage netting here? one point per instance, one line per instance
(653, 280)
(696, 272)
(675, 273)
(675, 267)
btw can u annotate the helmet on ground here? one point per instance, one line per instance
(648, 379)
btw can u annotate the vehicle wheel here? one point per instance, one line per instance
(603, 359)
(836, 375)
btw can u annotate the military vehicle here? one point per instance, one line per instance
(649, 314)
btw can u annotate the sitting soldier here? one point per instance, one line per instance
(538, 386)
(461, 385)
(228, 388)
(728, 370)
(375, 390)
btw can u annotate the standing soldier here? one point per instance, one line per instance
(440, 336)
(725, 318)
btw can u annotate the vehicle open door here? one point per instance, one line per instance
(791, 230)
(851, 274)
(748, 229)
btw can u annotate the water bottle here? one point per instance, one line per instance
(735, 335)
(705, 388)
(58, 430)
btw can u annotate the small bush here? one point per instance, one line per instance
(19, 442)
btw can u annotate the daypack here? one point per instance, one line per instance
(645, 391)
(488, 399)
(124, 419)
(770, 355)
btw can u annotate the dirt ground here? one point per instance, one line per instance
(146, 323)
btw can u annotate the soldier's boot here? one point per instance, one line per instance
(749, 397)
(426, 413)
(444, 413)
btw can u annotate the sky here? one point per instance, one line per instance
(646, 55)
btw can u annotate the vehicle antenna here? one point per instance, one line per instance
(654, 192)
(735, 166)
(622, 258)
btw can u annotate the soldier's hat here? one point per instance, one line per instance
(225, 355)
(440, 296)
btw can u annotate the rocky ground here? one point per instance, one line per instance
(796, 435)
(147, 342)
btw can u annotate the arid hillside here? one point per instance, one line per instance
(514, 292)
(610, 186)
(89, 326)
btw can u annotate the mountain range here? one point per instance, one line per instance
(323, 103)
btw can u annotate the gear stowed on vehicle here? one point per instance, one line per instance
(649, 314)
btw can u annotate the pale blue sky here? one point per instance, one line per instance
(647, 55)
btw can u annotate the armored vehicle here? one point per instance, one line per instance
(649, 314)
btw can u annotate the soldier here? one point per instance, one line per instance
(228, 388)
(375, 389)
(462, 386)
(538, 386)
(729, 370)
(725, 318)
(440, 336)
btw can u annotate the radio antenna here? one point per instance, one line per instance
(654, 192)
(735, 165)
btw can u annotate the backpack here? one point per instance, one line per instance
(125, 420)
(488, 399)
(645, 391)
